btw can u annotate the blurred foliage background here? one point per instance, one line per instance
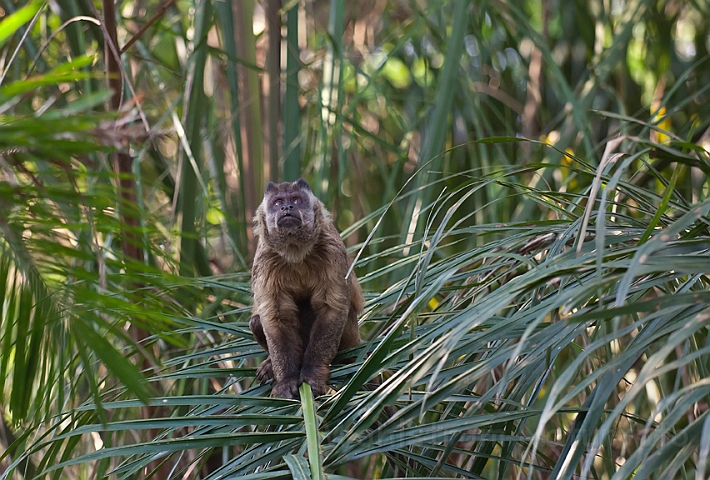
(523, 186)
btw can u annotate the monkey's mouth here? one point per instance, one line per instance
(289, 221)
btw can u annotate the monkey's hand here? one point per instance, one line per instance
(265, 372)
(286, 388)
(316, 377)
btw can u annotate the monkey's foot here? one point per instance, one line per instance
(286, 388)
(265, 372)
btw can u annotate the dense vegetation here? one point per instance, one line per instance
(523, 186)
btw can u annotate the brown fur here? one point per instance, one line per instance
(305, 310)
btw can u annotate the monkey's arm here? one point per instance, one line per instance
(331, 308)
(279, 320)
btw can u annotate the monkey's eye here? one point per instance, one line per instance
(296, 201)
(278, 203)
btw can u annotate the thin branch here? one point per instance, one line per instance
(55, 33)
(145, 27)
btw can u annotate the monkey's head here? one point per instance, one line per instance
(289, 218)
(289, 205)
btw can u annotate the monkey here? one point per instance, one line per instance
(305, 310)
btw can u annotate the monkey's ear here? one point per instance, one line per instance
(270, 188)
(258, 223)
(301, 183)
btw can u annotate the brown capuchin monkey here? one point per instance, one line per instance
(305, 310)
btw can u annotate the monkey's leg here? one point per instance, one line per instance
(258, 331)
(351, 333)
(265, 371)
(351, 337)
(326, 334)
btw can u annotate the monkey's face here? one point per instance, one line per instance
(290, 210)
